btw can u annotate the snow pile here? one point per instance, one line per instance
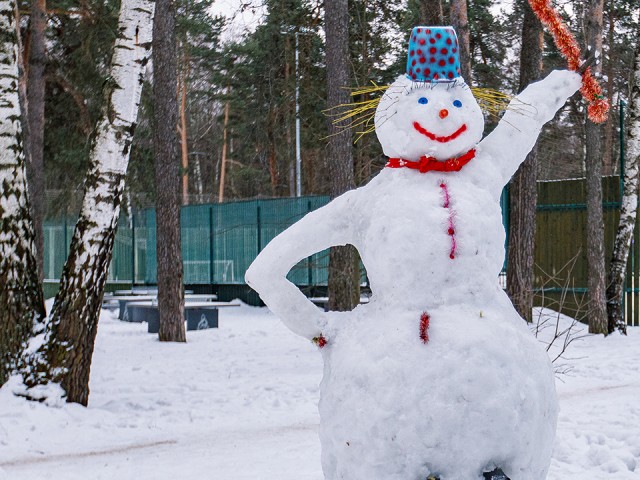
(599, 422)
(240, 403)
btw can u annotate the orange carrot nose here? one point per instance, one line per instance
(443, 113)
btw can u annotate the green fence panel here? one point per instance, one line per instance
(57, 238)
(236, 240)
(121, 269)
(196, 239)
(151, 265)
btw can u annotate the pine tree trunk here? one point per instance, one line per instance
(597, 303)
(184, 145)
(21, 303)
(65, 356)
(608, 158)
(523, 193)
(460, 21)
(431, 12)
(628, 209)
(344, 288)
(35, 112)
(166, 145)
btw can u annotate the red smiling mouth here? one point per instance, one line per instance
(433, 136)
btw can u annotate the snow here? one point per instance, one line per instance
(240, 402)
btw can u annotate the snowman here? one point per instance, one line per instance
(437, 376)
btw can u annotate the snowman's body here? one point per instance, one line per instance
(395, 408)
(480, 392)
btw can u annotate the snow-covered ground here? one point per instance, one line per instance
(240, 402)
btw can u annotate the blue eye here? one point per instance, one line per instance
(457, 103)
(423, 101)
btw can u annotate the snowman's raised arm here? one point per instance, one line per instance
(331, 225)
(516, 134)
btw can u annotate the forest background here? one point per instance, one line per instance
(254, 75)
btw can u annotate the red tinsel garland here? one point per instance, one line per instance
(320, 341)
(424, 327)
(598, 108)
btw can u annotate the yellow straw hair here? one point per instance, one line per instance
(360, 115)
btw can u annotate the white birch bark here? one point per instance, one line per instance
(65, 356)
(628, 208)
(21, 303)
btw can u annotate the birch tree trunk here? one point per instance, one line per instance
(523, 193)
(65, 355)
(165, 143)
(628, 209)
(343, 283)
(597, 302)
(21, 303)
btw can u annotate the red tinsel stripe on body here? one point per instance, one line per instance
(598, 108)
(424, 327)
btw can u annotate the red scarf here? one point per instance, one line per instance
(430, 164)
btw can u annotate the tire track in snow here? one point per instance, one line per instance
(95, 453)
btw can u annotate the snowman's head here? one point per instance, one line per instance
(439, 119)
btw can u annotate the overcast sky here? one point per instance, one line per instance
(242, 15)
(246, 15)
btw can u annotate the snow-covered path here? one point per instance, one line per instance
(240, 402)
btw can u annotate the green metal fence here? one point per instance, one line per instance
(561, 249)
(219, 242)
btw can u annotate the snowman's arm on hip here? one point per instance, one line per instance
(516, 134)
(331, 225)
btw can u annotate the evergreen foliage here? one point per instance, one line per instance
(255, 72)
